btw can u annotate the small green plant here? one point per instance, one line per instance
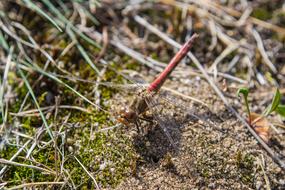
(244, 92)
(274, 106)
(258, 121)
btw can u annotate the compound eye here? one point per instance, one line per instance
(126, 113)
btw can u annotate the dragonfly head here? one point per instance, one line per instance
(126, 115)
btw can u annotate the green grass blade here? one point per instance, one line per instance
(3, 42)
(36, 103)
(281, 110)
(63, 6)
(90, 16)
(82, 51)
(51, 76)
(39, 11)
(87, 58)
(274, 104)
(67, 23)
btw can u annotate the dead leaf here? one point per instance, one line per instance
(261, 126)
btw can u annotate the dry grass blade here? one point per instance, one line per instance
(7, 162)
(225, 53)
(4, 84)
(97, 186)
(175, 92)
(261, 164)
(262, 51)
(217, 7)
(35, 112)
(27, 185)
(130, 52)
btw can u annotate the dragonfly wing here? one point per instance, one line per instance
(162, 119)
(178, 102)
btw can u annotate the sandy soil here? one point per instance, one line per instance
(216, 152)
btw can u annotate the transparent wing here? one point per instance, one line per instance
(195, 110)
(163, 119)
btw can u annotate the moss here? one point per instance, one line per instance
(106, 155)
(17, 175)
(112, 148)
(20, 175)
(261, 13)
(132, 65)
(245, 165)
(8, 152)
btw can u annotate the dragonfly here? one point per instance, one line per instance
(146, 98)
(144, 101)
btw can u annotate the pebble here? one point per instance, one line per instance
(70, 149)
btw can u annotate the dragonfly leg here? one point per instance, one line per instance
(138, 127)
(147, 118)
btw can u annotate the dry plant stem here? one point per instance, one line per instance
(116, 43)
(213, 30)
(105, 44)
(90, 175)
(37, 136)
(17, 133)
(262, 51)
(67, 179)
(35, 112)
(163, 36)
(266, 179)
(33, 43)
(224, 54)
(2, 185)
(185, 96)
(3, 88)
(244, 17)
(35, 184)
(253, 20)
(7, 162)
